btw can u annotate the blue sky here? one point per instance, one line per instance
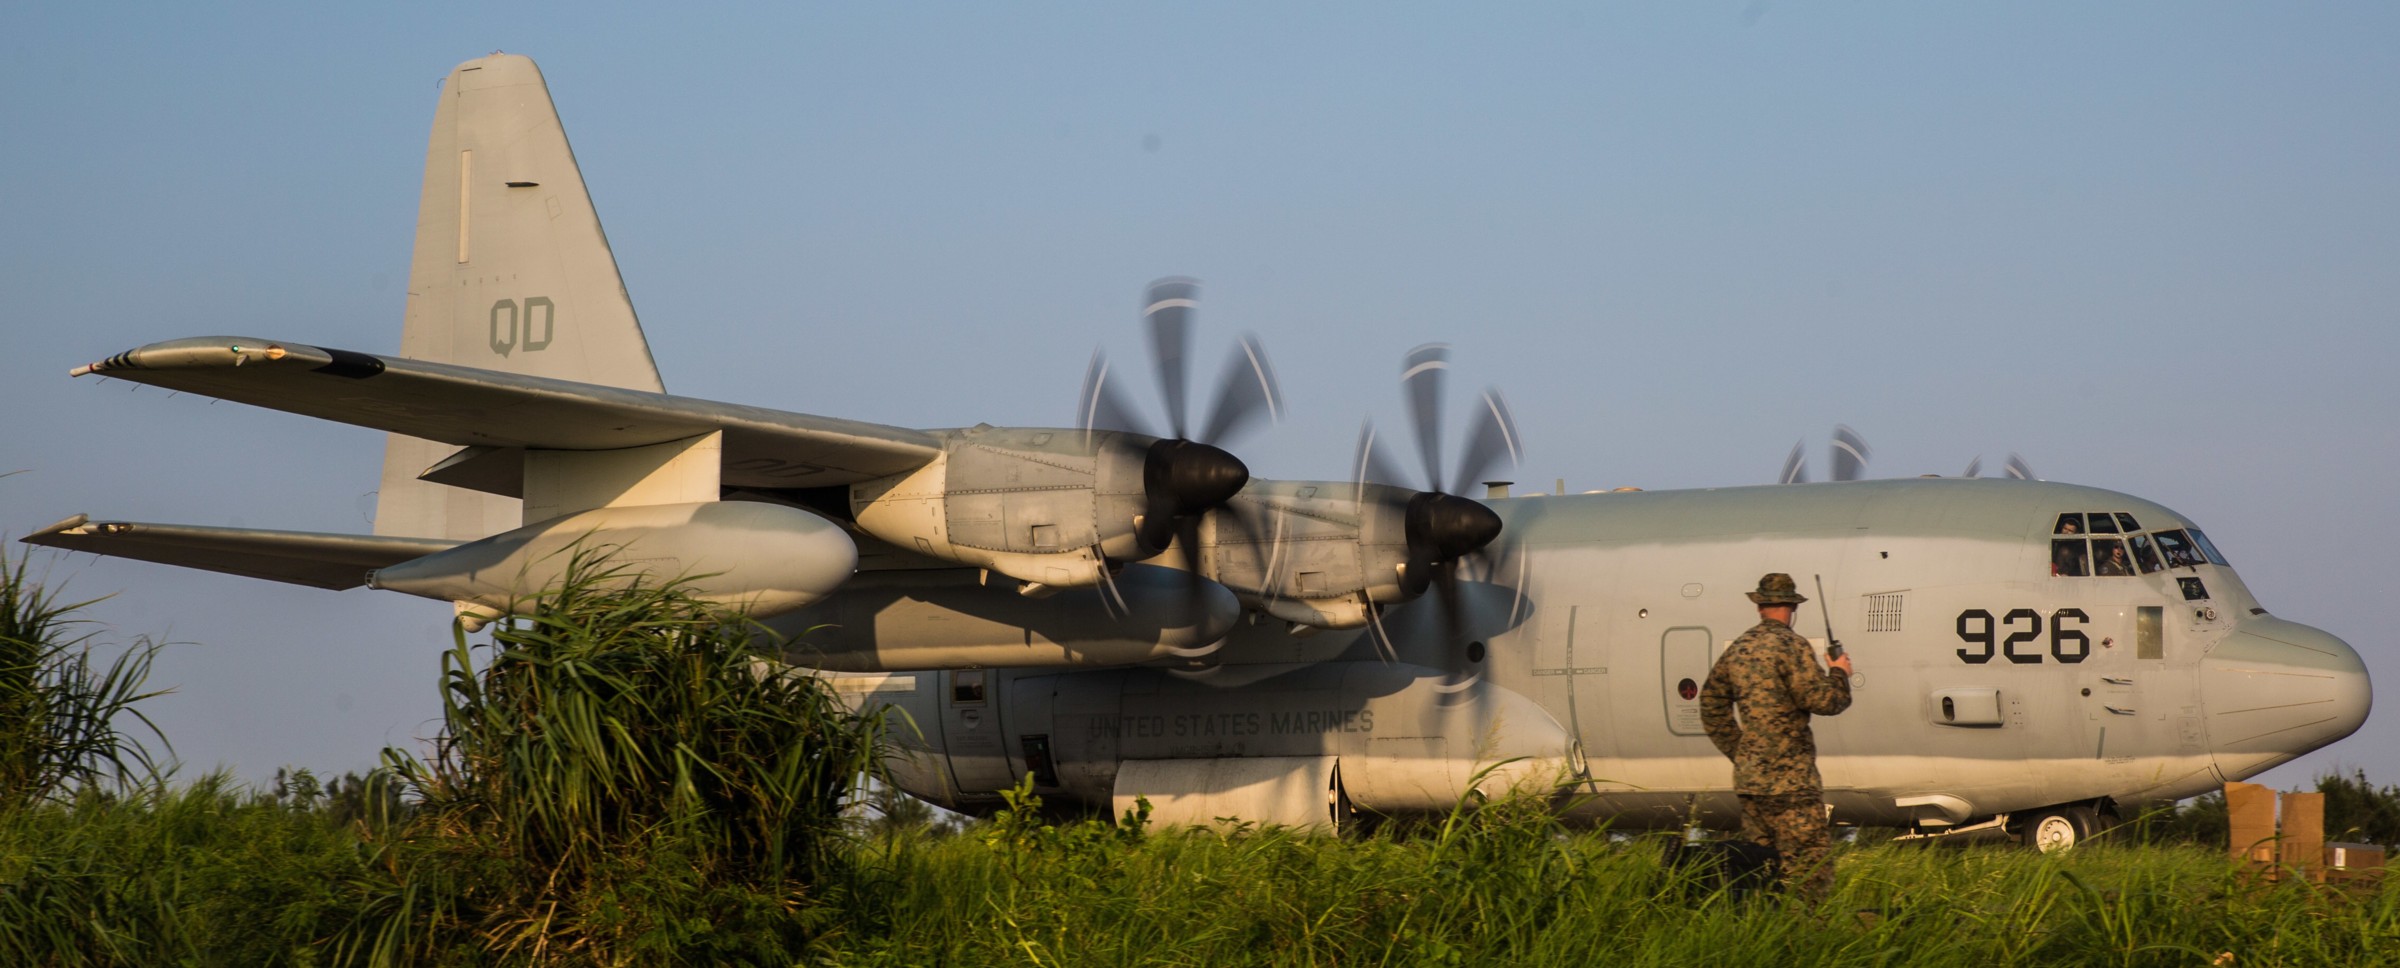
(2151, 247)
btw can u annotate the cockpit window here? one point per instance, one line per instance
(2111, 544)
(2068, 558)
(2178, 549)
(2109, 559)
(2144, 556)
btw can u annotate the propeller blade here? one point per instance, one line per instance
(1275, 564)
(1246, 394)
(1516, 588)
(1102, 406)
(1422, 372)
(1195, 584)
(1112, 598)
(1494, 439)
(1371, 465)
(1454, 616)
(1795, 466)
(1459, 672)
(2017, 468)
(1974, 467)
(1849, 454)
(1168, 309)
(1385, 649)
(1237, 524)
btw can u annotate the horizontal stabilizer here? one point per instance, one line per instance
(300, 557)
(471, 407)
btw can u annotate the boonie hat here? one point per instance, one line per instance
(1776, 588)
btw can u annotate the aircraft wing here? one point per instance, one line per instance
(299, 557)
(495, 412)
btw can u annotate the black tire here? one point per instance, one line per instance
(2054, 829)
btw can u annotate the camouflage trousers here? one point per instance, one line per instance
(1794, 824)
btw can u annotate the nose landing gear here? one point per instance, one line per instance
(2050, 830)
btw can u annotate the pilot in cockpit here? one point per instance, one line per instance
(2068, 559)
(2112, 560)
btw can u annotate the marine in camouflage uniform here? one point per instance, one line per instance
(1771, 675)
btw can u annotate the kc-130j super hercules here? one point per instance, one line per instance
(1119, 614)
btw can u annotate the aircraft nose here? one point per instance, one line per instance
(2273, 690)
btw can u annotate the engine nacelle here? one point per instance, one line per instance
(1041, 506)
(764, 558)
(1315, 553)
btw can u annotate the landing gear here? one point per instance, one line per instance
(2054, 829)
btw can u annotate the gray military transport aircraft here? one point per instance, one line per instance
(2033, 656)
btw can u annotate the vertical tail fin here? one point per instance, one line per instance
(511, 272)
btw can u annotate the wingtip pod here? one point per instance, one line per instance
(211, 352)
(68, 525)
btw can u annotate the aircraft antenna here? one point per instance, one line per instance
(1833, 646)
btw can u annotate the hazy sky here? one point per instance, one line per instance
(2151, 247)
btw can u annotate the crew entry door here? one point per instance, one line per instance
(1685, 655)
(971, 731)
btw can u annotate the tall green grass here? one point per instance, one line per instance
(621, 776)
(206, 874)
(60, 705)
(1520, 891)
(201, 874)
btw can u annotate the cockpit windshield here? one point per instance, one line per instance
(2178, 549)
(2144, 556)
(2110, 544)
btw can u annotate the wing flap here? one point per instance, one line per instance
(300, 557)
(470, 407)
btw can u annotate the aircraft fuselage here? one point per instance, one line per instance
(1992, 677)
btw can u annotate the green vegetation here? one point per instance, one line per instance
(622, 778)
(620, 781)
(1517, 891)
(59, 705)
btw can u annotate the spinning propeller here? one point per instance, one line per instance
(1183, 476)
(2016, 468)
(1440, 527)
(1849, 454)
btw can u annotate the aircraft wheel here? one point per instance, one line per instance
(2054, 829)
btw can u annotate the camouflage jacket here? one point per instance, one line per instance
(1772, 675)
